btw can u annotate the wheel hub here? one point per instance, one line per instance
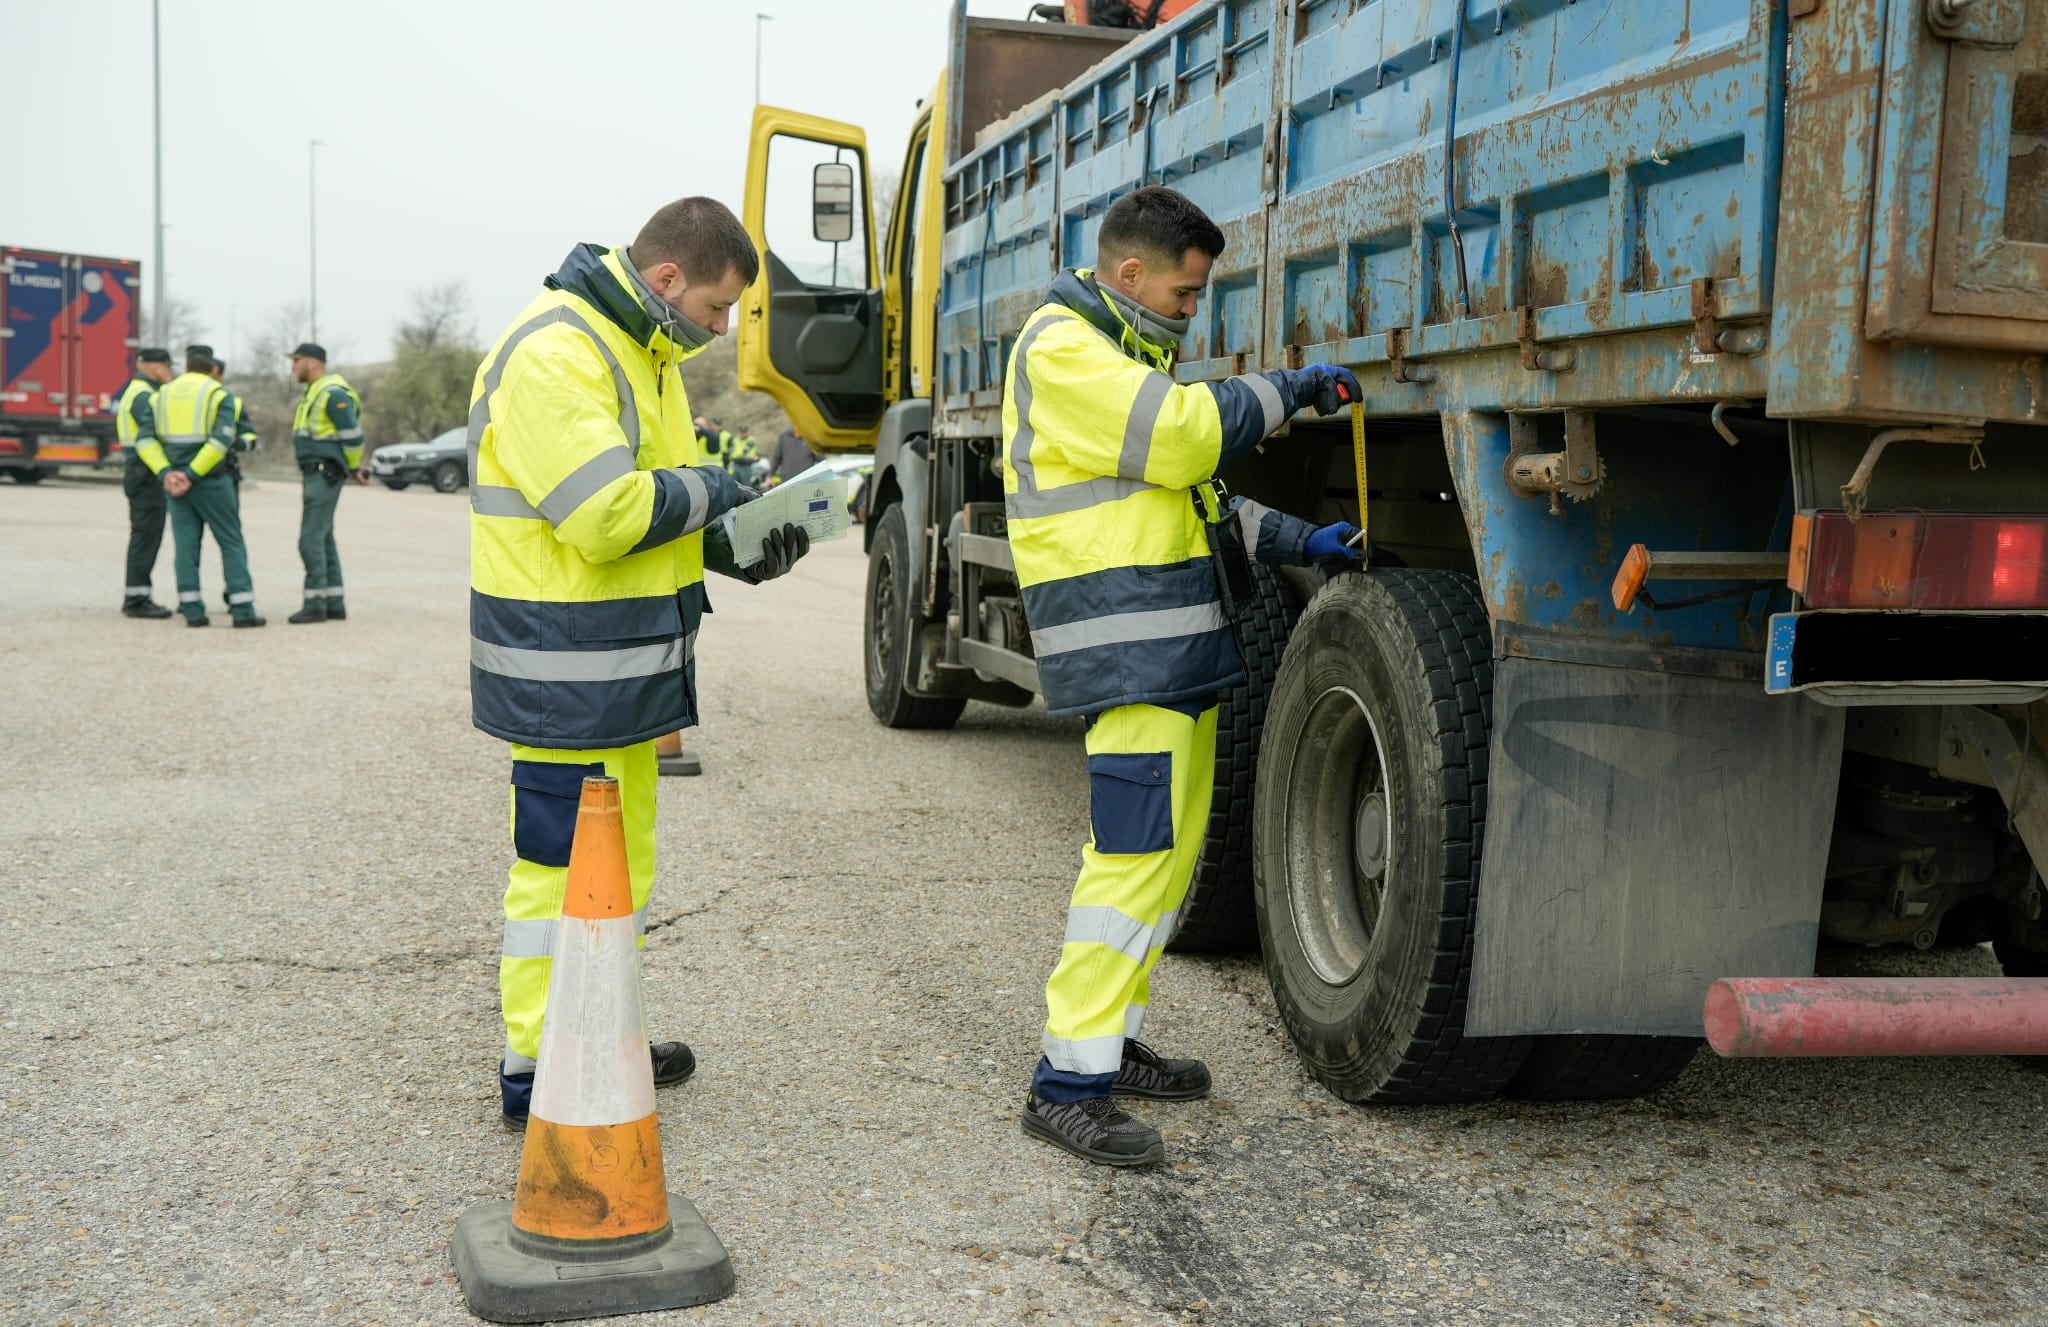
(1340, 835)
(1370, 835)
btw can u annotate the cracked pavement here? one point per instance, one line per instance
(248, 1024)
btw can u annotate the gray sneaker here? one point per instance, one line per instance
(1146, 1073)
(1094, 1130)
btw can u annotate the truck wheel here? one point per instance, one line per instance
(1217, 917)
(1600, 1068)
(30, 474)
(1368, 830)
(448, 476)
(887, 634)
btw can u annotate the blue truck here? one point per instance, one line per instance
(1703, 450)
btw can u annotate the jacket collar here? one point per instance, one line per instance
(597, 276)
(1075, 289)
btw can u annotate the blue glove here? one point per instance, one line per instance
(1332, 388)
(1331, 545)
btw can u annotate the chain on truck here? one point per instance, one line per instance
(1705, 451)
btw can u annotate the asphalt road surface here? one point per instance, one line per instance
(248, 1020)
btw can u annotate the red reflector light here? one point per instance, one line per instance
(10, 446)
(1922, 560)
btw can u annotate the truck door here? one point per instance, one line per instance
(35, 379)
(1961, 244)
(812, 328)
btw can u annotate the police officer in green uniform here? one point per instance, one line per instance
(195, 433)
(135, 423)
(327, 439)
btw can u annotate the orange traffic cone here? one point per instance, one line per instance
(592, 1228)
(670, 758)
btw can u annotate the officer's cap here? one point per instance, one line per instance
(153, 355)
(310, 350)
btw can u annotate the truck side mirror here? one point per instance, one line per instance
(832, 202)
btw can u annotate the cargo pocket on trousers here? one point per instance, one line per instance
(544, 800)
(1130, 802)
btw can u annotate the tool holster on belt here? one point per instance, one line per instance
(1227, 554)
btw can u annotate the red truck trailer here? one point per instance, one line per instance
(68, 334)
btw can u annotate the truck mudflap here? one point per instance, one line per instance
(1772, 1017)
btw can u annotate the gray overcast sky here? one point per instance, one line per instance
(462, 141)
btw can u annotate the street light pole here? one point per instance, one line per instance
(312, 247)
(759, 19)
(156, 92)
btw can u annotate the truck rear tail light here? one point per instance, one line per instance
(1921, 560)
(10, 447)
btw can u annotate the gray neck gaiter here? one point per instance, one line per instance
(1166, 333)
(687, 335)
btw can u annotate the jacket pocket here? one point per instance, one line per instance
(655, 617)
(544, 801)
(1130, 802)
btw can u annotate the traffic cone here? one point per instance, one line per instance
(670, 758)
(592, 1228)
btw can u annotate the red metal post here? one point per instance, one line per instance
(1788, 1016)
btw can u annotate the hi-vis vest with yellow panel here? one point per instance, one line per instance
(315, 437)
(588, 497)
(190, 422)
(1107, 488)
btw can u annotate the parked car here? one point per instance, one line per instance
(442, 462)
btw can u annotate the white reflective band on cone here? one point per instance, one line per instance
(593, 1047)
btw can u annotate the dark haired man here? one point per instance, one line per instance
(135, 428)
(1124, 546)
(593, 516)
(327, 442)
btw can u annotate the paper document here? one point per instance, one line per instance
(815, 500)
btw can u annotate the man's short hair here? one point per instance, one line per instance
(197, 360)
(1157, 224)
(701, 236)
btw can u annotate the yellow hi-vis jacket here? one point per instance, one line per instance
(316, 434)
(1106, 483)
(195, 422)
(135, 418)
(589, 496)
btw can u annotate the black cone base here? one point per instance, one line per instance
(684, 764)
(507, 1277)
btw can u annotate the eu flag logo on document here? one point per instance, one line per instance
(821, 504)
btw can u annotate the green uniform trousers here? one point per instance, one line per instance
(547, 784)
(146, 513)
(213, 503)
(319, 497)
(1151, 776)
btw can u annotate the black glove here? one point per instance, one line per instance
(1334, 387)
(779, 552)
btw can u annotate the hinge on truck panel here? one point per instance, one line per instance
(1801, 8)
(1540, 358)
(1575, 473)
(1709, 337)
(1397, 359)
(1991, 22)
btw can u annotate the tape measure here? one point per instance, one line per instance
(1358, 467)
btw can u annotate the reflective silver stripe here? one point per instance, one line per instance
(1020, 392)
(346, 434)
(585, 482)
(1134, 1020)
(579, 665)
(191, 596)
(1250, 517)
(495, 500)
(138, 589)
(1109, 927)
(245, 597)
(1162, 935)
(1089, 1055)
(1123, 628)
(535, 938)
(188, 437)
(1138, 425)
(699, 494)
(1059, 501)
(1269, 399)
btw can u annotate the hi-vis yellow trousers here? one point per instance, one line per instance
(1151, 775)
(546, 786)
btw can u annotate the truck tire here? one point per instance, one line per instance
(1218, 917)
(448, 476)
(1369, 829)
(887, 631)
(31, 474)
(1599, 1068)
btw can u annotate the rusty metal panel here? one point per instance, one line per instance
(1647, 832)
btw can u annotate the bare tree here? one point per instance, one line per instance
(434, 362)
(182, 326)
(440, 315)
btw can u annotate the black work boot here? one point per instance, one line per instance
(1094, 1130)
(148, 608)
(310, 613)
(1146, 1073)
(672, 1062)
(251, 621)
(198, 621)
(337, 613)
